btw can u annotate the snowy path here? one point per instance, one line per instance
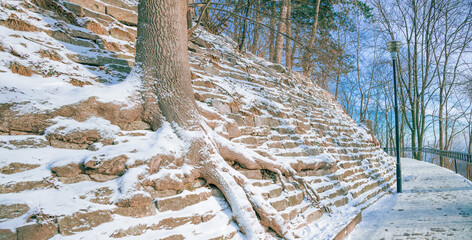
(436, 203)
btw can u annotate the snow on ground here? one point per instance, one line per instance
(436, 203)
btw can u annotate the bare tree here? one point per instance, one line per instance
(288, 42)
(279, 42)
(311, 42)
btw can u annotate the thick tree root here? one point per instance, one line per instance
(252, 160)
(209, 153)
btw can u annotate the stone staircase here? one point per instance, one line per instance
(273, 112)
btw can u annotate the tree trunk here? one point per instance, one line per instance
(190, 13)
(163, 62)
(279, 42)
(272, 32)
(255, 38)
(244, 30)
(288, 42)
(311, 42)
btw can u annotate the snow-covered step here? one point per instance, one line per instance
(183, 200)
(308, 216)
(291, 212)
(286, 200)
(271, 191)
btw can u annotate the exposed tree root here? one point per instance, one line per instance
(208, 152)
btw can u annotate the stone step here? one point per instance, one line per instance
(286, 200)
(206, 96)
(324, 187)
(251, 174)
(291, 212)
(271, 191)
(353, 185)
(63, 36)
(183, 200)
(310, 215)
(252, 140)
(261, 183)
(100, 60)
(164, 223)
(333, 193)
(289, 144)
(296, 153)
(340, 201)
(364, 188)
(23, 186)
(83, 221)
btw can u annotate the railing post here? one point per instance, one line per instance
(455, 164)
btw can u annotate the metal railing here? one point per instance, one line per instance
(459, 162)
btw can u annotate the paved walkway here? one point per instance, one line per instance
(436, 203)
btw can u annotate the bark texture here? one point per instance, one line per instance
(311, 42)
(279, 42)
(162, 60)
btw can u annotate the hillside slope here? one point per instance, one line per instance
(77, 160)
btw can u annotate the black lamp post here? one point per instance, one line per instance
(393, 48)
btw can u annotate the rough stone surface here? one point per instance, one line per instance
(37, 231)
(17, 167)
(121, 34)
(13, 211)
(101, 195)
(75, 179)
(77, 139)
(90, 4)
(136, 211)
(22, 186)
(69, 170)
(83, 221)
(125, 16)
(180, 202)
(75, 8)
(7, 234)
(135, 201)
(102, 165)
(95, 27)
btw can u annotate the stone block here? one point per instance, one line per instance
(295, 199)
(125, 16)
(97, 60)
(121, 4)
(22, 186)
(69, 170)
(82, 34)
(100, 17)
(65, 37)
(75, 8)
(221, 106)
(17, 167)
(102, 165)
(137, 212)
(7, 234)
(13, 210)
(121, 34)
(75, 179)
(252, 174)
(83, 221)
(280, 205)
(37, 231)
(275, 192)
(95, 27)
(93, 5)
(180, 202)
(170, 223)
